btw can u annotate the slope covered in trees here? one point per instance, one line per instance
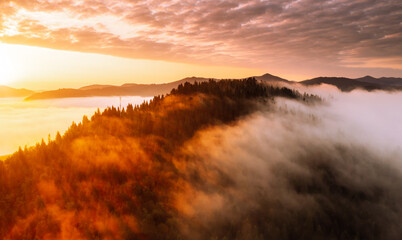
(211, 160)
(112, 176)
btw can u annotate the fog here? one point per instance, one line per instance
(297, 171)
(26, 123)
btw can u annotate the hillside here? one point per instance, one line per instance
(388, 81)
(159, 171)
(366, 83)
(115, 175)
(8, 92)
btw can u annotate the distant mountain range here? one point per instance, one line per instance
(8, 92)
(128, 89)
(146, 90)
(367, 83)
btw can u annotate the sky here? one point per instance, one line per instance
(121, 41)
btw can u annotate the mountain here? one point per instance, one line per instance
(95, 86)
(6, 92)
(367, 83)
(118, 174)
(383, 80)
(271, 78)
(128, 89)
(147, 90)
(213, 160)
(131, 89)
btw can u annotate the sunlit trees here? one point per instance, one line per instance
(111, 176)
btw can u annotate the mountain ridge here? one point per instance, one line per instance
(368, 83)
(7, 92)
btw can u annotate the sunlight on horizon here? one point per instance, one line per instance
(27, 122)
(39, 68)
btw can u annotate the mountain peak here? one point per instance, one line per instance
(270, 77)
(368, 77)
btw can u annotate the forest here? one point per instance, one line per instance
(126, 174)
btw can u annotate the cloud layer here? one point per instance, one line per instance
(257, 33)
(312, 172)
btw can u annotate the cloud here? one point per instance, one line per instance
(253, 33)
(298, 171)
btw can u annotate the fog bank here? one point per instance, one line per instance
(294, 171)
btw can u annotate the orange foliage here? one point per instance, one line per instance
(119, 175)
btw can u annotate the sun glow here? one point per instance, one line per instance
(8, 71)
(37, 68)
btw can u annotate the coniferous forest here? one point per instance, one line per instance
(111, 175)
(123, 174)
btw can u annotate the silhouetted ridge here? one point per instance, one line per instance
(247, 88)
(133, 89)
(368, 83)
(271, 78)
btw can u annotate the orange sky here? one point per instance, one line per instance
(165, 40)
(40, 69)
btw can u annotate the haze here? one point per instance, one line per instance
(26, 123)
